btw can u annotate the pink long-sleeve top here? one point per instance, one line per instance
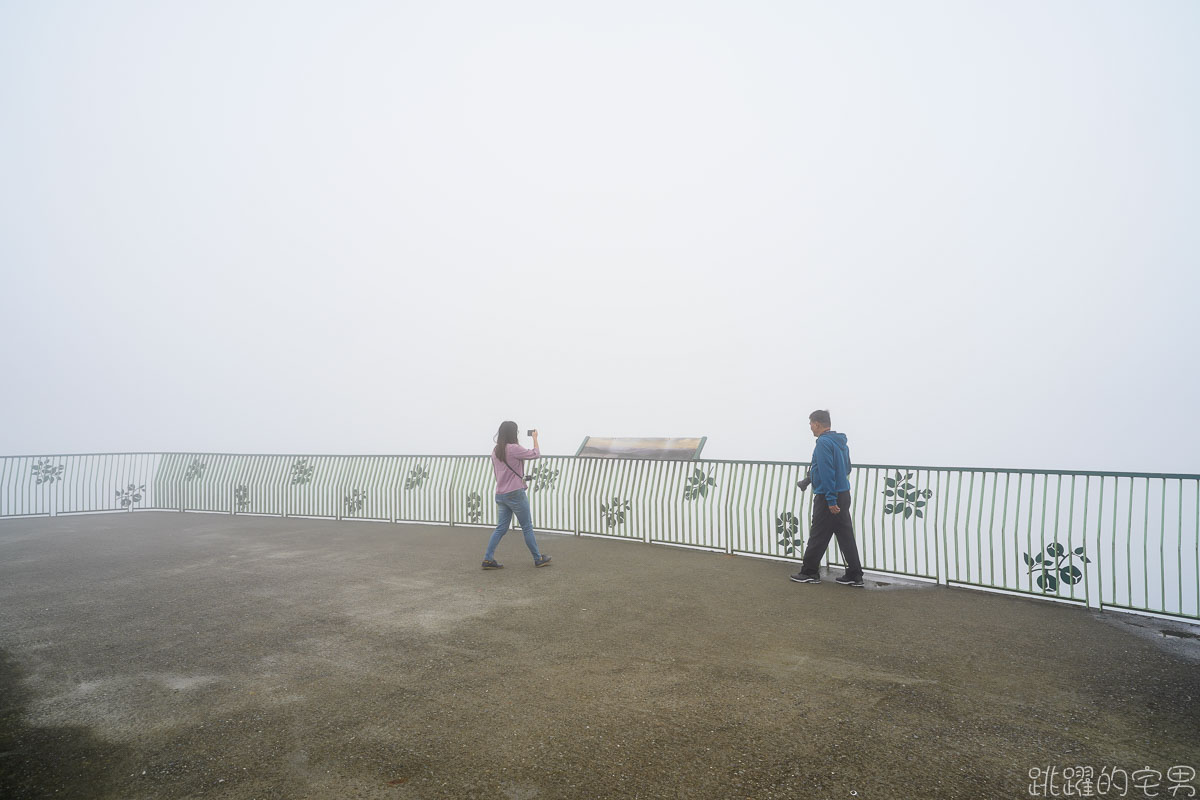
(509, 480)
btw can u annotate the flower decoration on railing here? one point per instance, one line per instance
(542, 477)
(355, 501)
(131, 495)
(241, 496)
(787, 525)
(474, 507)
(195, 470)
(909, 500)
(1055, 566)
(416, 476)
(614, 511)
(46, 472)
(697, 485)
(302, 472)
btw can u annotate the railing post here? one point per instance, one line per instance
(454, 479)
(1093, 572)
(943, 555)
(584, 478)
(726, 531)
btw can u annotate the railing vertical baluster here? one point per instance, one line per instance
(1087, 595)
(640, 489)
(1162, 536)
(1113, 543)
(939, 554)
(1098, 551)
(1045, 503)
(1179, 547)
(1129, 545)
(992, 531)
(1004, 531)
(869, 522)
(1070, 532)
(1146, 544)
(891, 561)
(954, 530)
(967, 536)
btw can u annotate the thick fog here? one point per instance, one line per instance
(969, 229)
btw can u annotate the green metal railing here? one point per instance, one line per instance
(1100, 539)
(75, 483)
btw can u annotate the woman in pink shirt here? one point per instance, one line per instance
(508, 462)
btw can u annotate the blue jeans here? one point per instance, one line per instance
(506, 505)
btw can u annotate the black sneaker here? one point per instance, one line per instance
(541, 562)
(846, 581)
(492, 565)
(800, 577)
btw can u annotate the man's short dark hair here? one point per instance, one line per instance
(821, 417)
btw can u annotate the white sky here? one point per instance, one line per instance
(970, 229)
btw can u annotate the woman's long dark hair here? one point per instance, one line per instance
(504, 437)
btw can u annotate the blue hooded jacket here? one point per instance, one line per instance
(830, 466)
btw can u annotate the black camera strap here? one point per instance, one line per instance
(510, 468)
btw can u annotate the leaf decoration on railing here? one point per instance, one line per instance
(241, 496)
(131, 495)
(787, 525)
(1055, 566)
(46, 472)
(614, 511)
(416, 477)
(195, 469)
(908, 500)
(542, 477)
(302, 472)
(355, 501)
(474, 507)
(697, 484)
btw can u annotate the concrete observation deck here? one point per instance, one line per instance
(166, 655)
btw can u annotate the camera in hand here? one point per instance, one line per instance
(531, 432)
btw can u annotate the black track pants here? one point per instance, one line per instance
(826, 525)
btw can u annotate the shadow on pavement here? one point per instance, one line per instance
(51, 761)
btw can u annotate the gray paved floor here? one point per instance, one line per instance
(160, 655)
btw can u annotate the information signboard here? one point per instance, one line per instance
(654, 449)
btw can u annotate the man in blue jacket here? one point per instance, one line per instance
(829, 476)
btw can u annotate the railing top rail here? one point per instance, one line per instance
(257, 455)
(78, 455)
(1003, 471)
(910, 467)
